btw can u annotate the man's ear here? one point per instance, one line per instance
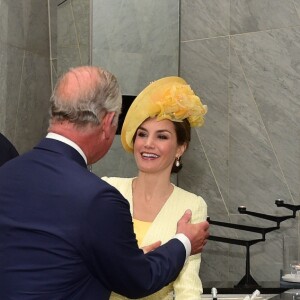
(107, 124)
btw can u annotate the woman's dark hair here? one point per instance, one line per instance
(183, 134)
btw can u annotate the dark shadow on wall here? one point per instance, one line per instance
(126, 102)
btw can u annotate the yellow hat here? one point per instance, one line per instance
(167, 98)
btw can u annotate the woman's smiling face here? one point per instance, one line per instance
(155, 146)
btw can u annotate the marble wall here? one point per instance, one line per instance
(242, 58)
(70, 30)
(24, 71)
(136, 40)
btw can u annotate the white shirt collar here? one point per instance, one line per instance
(58, 137)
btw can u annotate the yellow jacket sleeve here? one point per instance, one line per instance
(188, 285)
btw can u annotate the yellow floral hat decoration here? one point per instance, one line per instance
(167, 98)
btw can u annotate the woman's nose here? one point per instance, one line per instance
(149, 143)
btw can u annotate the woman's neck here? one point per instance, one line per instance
(153, 184)
(150, 193)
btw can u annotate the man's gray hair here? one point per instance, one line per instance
(93, 93)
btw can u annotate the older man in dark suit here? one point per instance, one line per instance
(66, 234)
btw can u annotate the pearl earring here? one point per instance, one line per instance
(177, 163)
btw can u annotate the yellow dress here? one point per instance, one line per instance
(140, 229)
(187, 285)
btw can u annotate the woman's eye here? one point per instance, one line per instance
(141, 134)
(162, 137)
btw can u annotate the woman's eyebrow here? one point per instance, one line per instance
(163, 130)
(142, 128)
(158, 131)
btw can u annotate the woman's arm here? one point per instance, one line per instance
(188, 285)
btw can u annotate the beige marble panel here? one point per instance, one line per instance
(204, 19)
(270, 62)
(256, 180)
(66, 29)
(33, 102)
(81, 12)
(24, 24)
(25, 77)
(259, 15)
(205, 66)
(139, 44)
(73, 35)
(11, 61)
(197, 176)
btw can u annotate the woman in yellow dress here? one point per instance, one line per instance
(157, 130)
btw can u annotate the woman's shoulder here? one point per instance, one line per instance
(189, 197)
(183, 200)
(117, 181)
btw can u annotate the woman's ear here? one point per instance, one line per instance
(181, 149)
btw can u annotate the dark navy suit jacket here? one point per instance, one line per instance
(66, 234)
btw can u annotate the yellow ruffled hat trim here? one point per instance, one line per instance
(167, 98)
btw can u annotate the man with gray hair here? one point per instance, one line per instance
(65, 233)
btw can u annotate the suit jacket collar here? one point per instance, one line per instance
(60, 147)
